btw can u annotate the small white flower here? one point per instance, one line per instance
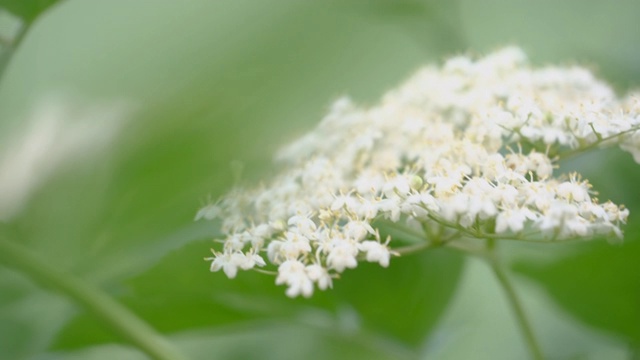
(209, 212)
(505, 195)
(419, 205)
(250, 261)
(494, 166)
(273, 252)
(399, 184)
(369, 182)
(615, 213)
(227, 261)
(342, 256)
(376, 252)
(540, 164)
(294, 245)
(293, 273)
(563, 218)
(513, 220)
(319, 275)
(344, 202)
(304, 225)
(259, 234)
(236, 241)
(444, 185)
(390, 208)
(366, 209)
(357, 229)
(573, 191)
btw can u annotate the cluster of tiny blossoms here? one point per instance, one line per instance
(463, 151)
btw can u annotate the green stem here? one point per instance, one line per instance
(515, 303)
(11, 47)
(405, 231)
(92, 298)
(411, 249)
(571, 153)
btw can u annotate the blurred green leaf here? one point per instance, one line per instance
(237, 100)
(599, 283)
(402, 303)
(180, 293)
(406, 300)
(265, 340)
(15, 337)
(602, 36)
(27, 9)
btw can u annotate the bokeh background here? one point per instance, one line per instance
(119, 119)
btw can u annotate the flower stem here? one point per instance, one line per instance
(411, 249)
(11, 46)
(92, 298)
(581, 150)
(515, 303)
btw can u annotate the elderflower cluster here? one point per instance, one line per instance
(463, 151)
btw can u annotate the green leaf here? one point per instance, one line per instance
(402, 303)
(265, 340)
(406, 300)
(599, 283)
(103, 219)
(27, 9)
(180, 293)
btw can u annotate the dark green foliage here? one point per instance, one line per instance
(27, 9)
(179, 294)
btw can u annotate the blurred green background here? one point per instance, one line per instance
(173, 95)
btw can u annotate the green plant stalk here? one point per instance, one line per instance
(10, 48)
(515, 303)
(92, 298)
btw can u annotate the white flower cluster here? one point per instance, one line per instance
(467, 150)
